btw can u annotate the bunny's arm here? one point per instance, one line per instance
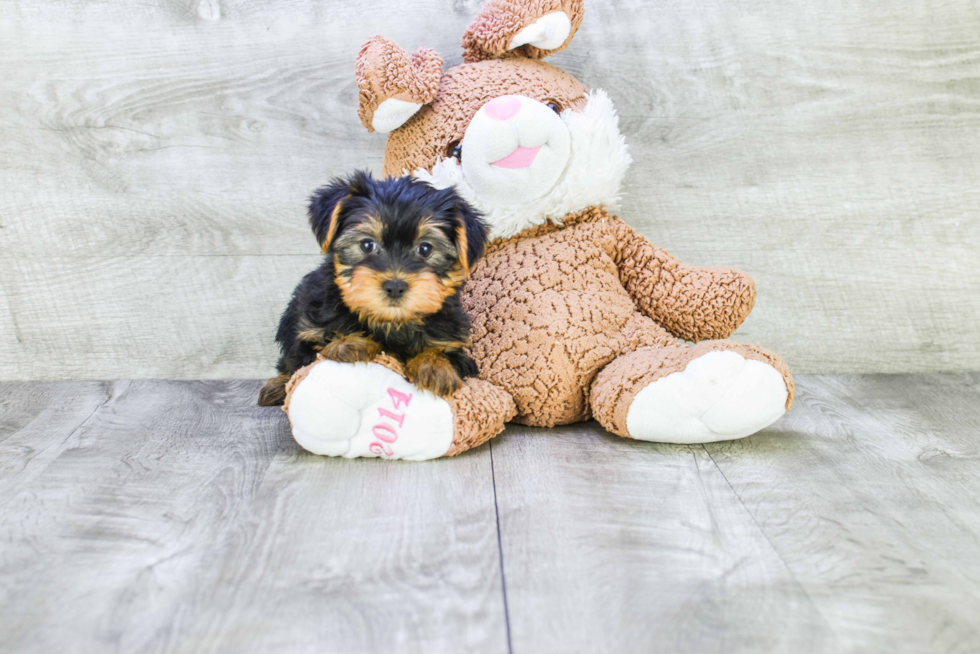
(692, 303)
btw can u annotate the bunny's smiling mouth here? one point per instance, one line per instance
(513, 200)
(514, 150)
(519, 158)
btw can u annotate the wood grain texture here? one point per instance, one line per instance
(179, 517)
(38, 422)
(868, 491)
(155, 159)
(612, 545)
(852, 525)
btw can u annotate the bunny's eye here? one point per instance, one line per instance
(455, 150)
(554, 106)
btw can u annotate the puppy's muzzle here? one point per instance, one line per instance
(394, 289)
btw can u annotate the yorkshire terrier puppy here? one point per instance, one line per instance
(397, 254)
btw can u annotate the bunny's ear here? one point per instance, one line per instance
(522, 28)
(393, 84)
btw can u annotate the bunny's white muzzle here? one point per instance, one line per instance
(515, 150)
(593, 168)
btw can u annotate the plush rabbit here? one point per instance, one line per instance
(575, 315)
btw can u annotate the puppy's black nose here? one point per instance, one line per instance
(394, 288)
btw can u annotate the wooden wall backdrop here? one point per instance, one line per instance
(155, 159)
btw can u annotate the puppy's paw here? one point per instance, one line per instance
(432, 371)
(351, 348)
(274, 391)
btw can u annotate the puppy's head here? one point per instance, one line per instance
(399, 246)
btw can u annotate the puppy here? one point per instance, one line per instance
(397, 254)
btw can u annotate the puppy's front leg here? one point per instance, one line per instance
(274, 391)
(351, 348)
(433, 371)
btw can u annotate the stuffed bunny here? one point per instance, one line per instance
(575, 315)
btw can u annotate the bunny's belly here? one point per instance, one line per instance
(547, 316)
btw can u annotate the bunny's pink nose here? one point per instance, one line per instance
(502, 108)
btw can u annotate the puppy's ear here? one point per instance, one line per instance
(471, 233)
(327, 204)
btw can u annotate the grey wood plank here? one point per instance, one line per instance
(611, 545)
(223, 307)
(99, 547)
(38, 422)
(868, 490)
(182, 518)
(832, 152)
(23, 402)
(362, 556)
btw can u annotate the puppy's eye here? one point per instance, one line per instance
(554, 106)
(368, 246)
(424, 250)
(455, 150)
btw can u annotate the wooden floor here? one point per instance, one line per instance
(177, 517)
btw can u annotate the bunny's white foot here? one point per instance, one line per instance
(719, 396)
(366, 410)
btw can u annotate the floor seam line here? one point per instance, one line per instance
(109, 391)
(108, 388)
(500, 551)
(106, 385)
(773, 546)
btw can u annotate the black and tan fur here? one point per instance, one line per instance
(398, 234)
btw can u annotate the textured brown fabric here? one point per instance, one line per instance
(553, 305)
(616, 386)
(641, 331)
(386, 71)
(480, 410)
(693, 303)
(500, 20)
(463, 89)
(391, 363)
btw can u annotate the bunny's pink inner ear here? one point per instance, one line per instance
(522, 28)
(392, 84)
